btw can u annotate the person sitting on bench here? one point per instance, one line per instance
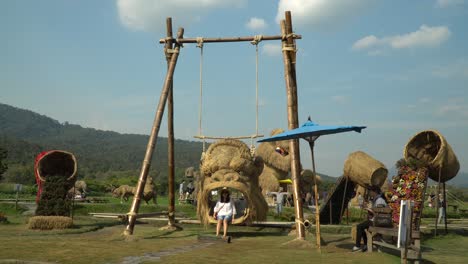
(377, 201)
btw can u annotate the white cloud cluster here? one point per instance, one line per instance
(256, 24)
(448, 3)
(426, 36)
(458, 69)
(271, 49)
(150, 15)
(454, 108)
(341, 99)
(314, 14)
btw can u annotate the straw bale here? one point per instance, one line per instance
(50, 222)
(228, 163)
(431, 148)
(365, 170)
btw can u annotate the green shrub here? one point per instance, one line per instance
(54, 200)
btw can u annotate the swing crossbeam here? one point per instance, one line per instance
(227, 39)
(240, 137)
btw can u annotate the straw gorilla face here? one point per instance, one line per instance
(228, 163)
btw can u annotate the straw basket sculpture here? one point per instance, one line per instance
(364, 170)
(431, 148)
(228, 163)
(55, 164)
(55, 174)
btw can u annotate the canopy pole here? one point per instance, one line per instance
(317, 207)
(153, 138)
(291, 90)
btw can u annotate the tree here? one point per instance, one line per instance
(3, 164)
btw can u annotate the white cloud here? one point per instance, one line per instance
(454, 108)
(424, 37)
(366, 42)
(424, 100)
(458, 69)
(270, 49)
(341, 99)
(320, 13)
(256, 23)
(150, 15)
(448, 3)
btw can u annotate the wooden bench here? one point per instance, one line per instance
(414, 249)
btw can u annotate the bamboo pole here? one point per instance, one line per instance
(170, 132)
(438, 200)
(153, 137)
(316, 198)
(444, 205)
(342, 202)
(227, 39)
(239, 137)
(289, 75)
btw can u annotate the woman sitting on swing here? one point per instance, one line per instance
(224, 212)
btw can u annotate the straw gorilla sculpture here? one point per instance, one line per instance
(228, 163)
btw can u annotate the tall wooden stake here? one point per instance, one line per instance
(153, 137)
(437, 201)
(289, 54)
(444, 205)
(170, 131)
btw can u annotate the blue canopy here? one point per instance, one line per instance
(311, 131)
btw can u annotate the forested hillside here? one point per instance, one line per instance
(100, 154)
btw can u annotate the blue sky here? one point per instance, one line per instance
(398, 67)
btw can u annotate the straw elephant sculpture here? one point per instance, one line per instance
(81, 188)
(228, 163)
(277, 163)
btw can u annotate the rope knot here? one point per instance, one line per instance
(257, 39)
(199, 42)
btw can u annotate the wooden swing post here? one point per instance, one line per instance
(170, 132)
(289, 55)
(153, 137)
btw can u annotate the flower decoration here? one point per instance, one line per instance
(409, 184)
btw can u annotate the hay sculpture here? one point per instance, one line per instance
(307, 181)
(364, 170)
(55, 174)
(228, 163)
(81, 188)
(125, 191)
(276, 165)
(431, 148)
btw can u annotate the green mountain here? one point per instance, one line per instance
(100, 154)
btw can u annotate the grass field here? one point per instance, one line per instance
(101, 241)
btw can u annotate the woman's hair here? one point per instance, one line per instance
(225, 199)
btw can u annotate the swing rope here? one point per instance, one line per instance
(200, 45)
(257, 39)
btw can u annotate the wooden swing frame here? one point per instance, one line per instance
(172, 50)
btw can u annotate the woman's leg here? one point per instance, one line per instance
(225, 225)
(218, 227)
